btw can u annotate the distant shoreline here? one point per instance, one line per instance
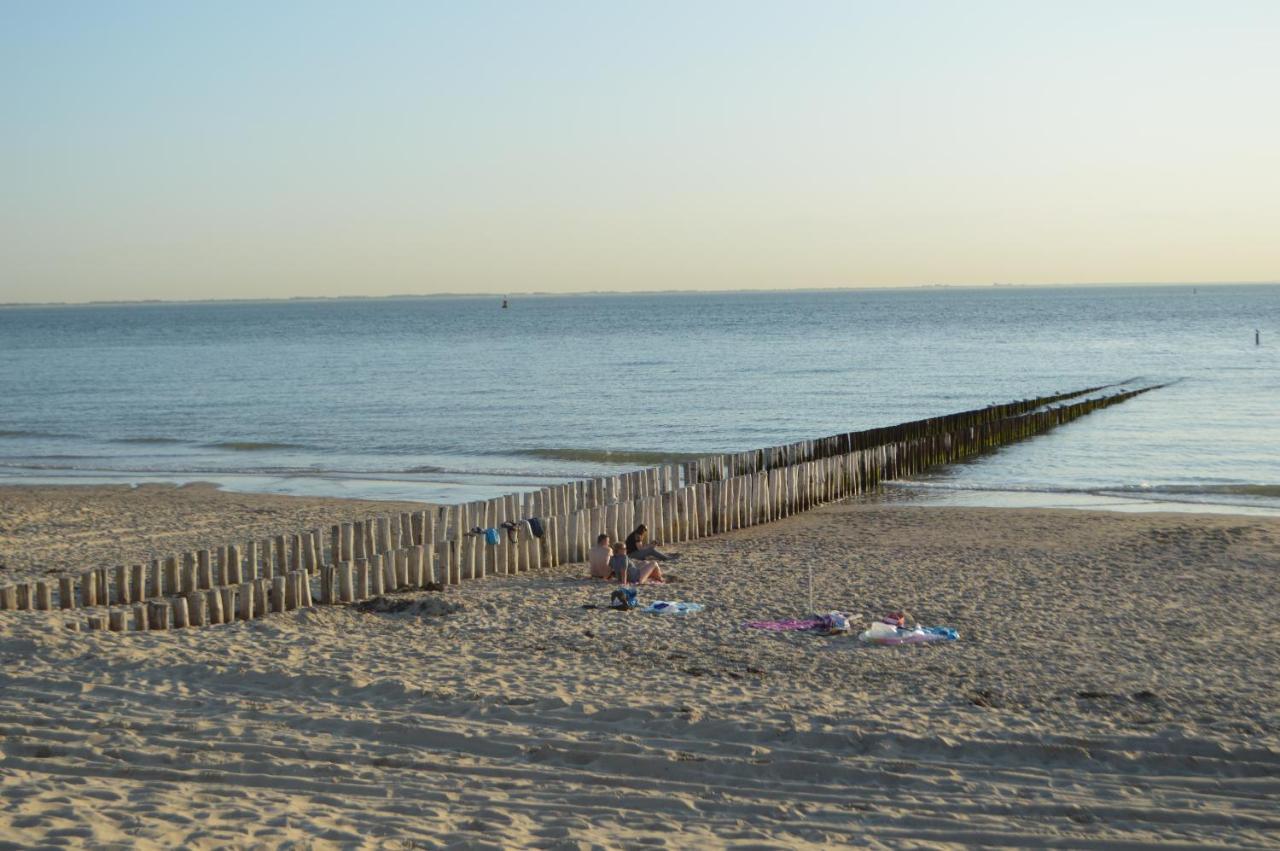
(17, 305)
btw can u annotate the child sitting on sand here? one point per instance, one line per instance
(632, 572)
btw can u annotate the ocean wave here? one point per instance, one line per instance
(22, 432)
(425, 468)
(147, 440)
(1171, 492)
(1240, 489)
(252, 446)
(608, 456)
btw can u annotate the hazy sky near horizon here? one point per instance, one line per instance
(235, 149)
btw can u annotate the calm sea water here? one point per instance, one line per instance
(449, 399)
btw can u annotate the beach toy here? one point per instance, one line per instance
(884, 634)
(671, 607)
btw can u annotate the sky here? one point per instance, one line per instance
(246, 149)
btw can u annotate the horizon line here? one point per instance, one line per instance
(667, 291)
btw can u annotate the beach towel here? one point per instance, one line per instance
(671, 607)
(535, 526)
(491, 536)
(884, 634)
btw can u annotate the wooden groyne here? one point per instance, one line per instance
(437, 546)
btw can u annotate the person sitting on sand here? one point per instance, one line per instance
(633, 572)
(638, 548)
(598, 557)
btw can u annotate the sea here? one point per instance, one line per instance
(447, 399)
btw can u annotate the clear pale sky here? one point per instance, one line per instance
(225, 150)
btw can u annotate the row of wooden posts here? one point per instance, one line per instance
(437, 546)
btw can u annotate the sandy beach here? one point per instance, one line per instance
(1114, 686)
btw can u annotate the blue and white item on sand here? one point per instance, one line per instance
(883, 633)
(623, 598)
(671, 607)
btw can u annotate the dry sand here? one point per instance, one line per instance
(1114, 686)
(46, 531)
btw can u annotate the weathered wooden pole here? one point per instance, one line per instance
(346, 582)
(280, 594)
(159, 615)
(214, 600)
(196, 608)
(180, 620)
(123, 596)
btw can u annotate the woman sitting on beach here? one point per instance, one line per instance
(633, 572)
(638, 548)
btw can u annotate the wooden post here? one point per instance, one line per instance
(118, 620)
(8, 598)
(122, 597)
(384, 530)
(387, 567)
(279, 596)
(362, 580)
(190, 581)
(527, 546)
(401, 559)
(304, 590)
(97, 623)
(180, 613)
(88, 589)
(213, 599)
(377, 577)
(417, 566)
(347, 552)
(204, 569)
(335, 544)
(251, 560)
(141, 622)
(442, 561)
(315, 550)
(237, 573)
(159, 615)
(261, 589)
(196, 608)
(66, 592)
(244, 593)
(228, 603)
(346, 582)
(169, 584)
(328, 586)
(44, 596)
